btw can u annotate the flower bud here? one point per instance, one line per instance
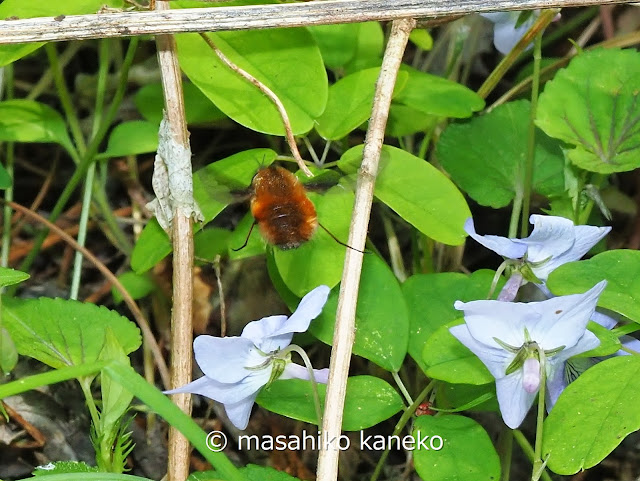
(531, 376)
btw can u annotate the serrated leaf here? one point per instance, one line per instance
(287, 61)
(469, 457)
(62, 333)
(9, 277)
(132, 138)
(430, 299)
(449, 360)
(594, 105)
(438, 96)
(369, 400)
(593, 415)
(621, 269)
(486, 156)
(64, 467)
(417, 191)
(350, 101)
(30, 121)
(382, 320)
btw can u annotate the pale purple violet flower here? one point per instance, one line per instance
(505, 33)
(504, 335)
(553, 242)
(236, 368)
(572, 368)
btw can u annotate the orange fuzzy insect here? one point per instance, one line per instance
(281, 209)
(280, 206)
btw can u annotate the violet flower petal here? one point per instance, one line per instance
(295, 371)
(224, 358)
(509, 248)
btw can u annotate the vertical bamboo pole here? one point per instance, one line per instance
(344, 332)
(181, 316)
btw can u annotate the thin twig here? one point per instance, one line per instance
(182, 239)
(344, 332)
(76, 27)
(131, 304)
(272, 96)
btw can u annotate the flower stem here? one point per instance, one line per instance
(404, 419)
(402, 388)
(505, 450)
(312, 378)
(531, 144)
(515, 214)
(538, 464)
(510, 289)
(528, 450)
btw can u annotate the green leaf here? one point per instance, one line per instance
(369, 46)
(116, 399)
(405, 120)
(209, 243)
(61, 332)
(435, 95)
(153, 245)
(132, 138)
(596, 110)
(5, 179)
(455, 396)
(382, 320)
(621, 269)
(198, 108)
(9, 277)
(609, 342)
(337, 43)
(320, 260)
(430, 299)
(486, 156)
(417, 191)
(251, 472)
(137, 285)
(469, 456)
(421, 38)
(449, 360)
(8, 352)
(30, 121)
(148, 394)
(64, 467)
(350, 101)
(593, 415)
(369, 401)
(287, 61)
(38, 8)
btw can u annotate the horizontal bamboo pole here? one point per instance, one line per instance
(125, 24)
